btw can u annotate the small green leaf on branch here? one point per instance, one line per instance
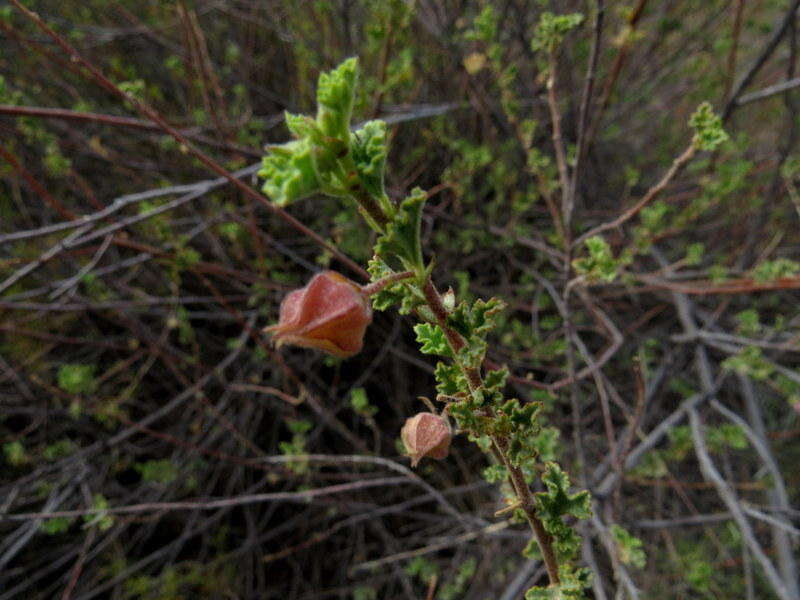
(432, 339)
(708, 131)
(551, 30)
(402, 237)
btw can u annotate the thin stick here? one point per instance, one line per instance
(616, 69)
(586, 98)
(651, 194)
(758, 63)
(150, 507)
(558, 144)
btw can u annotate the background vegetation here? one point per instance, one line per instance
(154, 445)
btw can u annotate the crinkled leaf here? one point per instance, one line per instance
(484, 314)
(402, 237)
(471, 355)
(573, 582)
(288, 173)
(551, 29)
(301, 126)
(335, 91)
(600, 265)
(432, 339)
(556, 503)
(478, 319)
(391, 295)
(629, 547)
(708, 131)
(495, 382)
(450, 380)
(369, 149)
(465, 413)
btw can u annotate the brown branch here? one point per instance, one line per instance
(651, 194)
(150, 507)
(55, 204)
(586, 98)
(558, 144)
(734, 286)
(209, 162)
(113, 120)
(777, 33)
(616, 69)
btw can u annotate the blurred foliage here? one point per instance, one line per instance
(133, 326)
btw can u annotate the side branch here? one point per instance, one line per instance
(499, 444)
(651, 195)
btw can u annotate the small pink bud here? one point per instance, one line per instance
(426, 434)
(330, 314)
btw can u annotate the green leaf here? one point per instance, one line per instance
(298, 426)
(407, 296)
(518, 424)
(450, 379)
(708, 131)
(495, 382)
(402, 237)
(289, 173)
(360, 402)
(77, 378)
(301, 126)
(573, 582)
(157, 471)
(102, 519)
(546, 443)
(770, 270)
(726, 435)
(600, 264)
(551, 29)
(475, 320)
(495, 473)
(556, 503)
(629, 547)
(335, 91)
(484, 315)
(59, 449)
(56, 525)
(369, 149)
(432, 339)
(694, 254)
(14, 453)
(484, 27)
(750, 361)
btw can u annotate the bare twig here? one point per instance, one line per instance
(777, 33)
(651, 194)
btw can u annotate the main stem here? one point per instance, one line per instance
(499, 443)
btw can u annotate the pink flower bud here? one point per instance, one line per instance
(330, 314)
(426, 434)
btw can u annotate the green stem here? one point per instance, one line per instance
(372, 208)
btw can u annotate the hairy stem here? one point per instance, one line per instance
(499, 443)
(377, 286)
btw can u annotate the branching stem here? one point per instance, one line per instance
(377, 286)
(499, 443)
